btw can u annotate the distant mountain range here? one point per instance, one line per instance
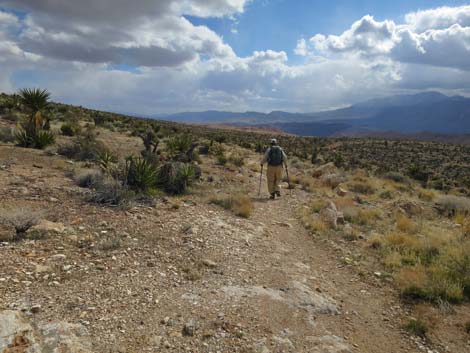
(429, 112)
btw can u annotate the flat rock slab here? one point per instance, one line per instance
(297, 295)
(17, 335)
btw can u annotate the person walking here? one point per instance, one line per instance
(276, 158)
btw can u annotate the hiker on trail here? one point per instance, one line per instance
(276, 158)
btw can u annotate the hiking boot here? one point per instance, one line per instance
(273, 196)
(278, 193)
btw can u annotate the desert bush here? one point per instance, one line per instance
(22, 219)
(417, 327)
(70, 129)
(176, 177)
(6, 134)
(89, 179)
(396, 177)
(111, 192)
(451, 205)
(221, 158)
(236, 159)
(240, 204)
(363, 187)
(83, 148)
(332, 180)
(418, 172)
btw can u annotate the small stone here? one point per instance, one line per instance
(209, 263)
(36, 308)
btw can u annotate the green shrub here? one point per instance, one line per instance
(236, 159)
(70, 129)
(417, 327)
(83, 148)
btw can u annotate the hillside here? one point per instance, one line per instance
(366, 250)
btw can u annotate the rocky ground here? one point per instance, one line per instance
(182, 275)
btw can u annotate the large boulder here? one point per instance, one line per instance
(17, 335)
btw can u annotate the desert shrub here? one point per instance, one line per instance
(467, 327)
(361, 187)
(176, 177)
(221, 158)
(239, 204)
(88, 179)
(236, 159)
(70, 129)
(417, 327)
(418, 172)
(451, 205)
(332, 180)
(111, 192)
(83, 148)
(6, 134)
(396, 177)
(22, 219)
(386, 195)
(140, 174)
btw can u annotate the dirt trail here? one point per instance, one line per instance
(324, 298)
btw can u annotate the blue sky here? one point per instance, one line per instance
(167, 56)
(277, 24)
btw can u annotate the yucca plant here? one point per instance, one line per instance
(140, 174)
(33, 132)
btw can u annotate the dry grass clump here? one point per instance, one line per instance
(360, 216)
(314, 223)
(22, 219)
(239, 204)
(426, 195)
(406, 225)
(431, 268)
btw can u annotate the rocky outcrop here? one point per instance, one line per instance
(328, 168)
(17, 335)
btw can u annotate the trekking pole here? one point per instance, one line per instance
(288, 179)
(260, 181)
